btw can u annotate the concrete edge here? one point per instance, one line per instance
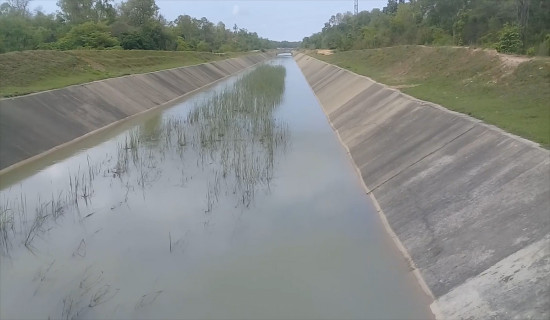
(439, 107)
(433, 306)
(124, 76)
(436, 306)
(113, 124)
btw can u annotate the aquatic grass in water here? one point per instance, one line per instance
(237, 129)
(173, 217)
(232, 137)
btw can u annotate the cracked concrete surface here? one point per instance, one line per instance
(469, 202)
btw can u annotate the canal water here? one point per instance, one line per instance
(239, 203)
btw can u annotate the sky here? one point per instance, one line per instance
(290, 20)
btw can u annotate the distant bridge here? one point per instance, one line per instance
(284, 51)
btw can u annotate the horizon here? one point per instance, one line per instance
(300, 18)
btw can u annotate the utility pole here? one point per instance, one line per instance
(356, 7)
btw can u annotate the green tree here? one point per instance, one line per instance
(17, 34)
(158, 36)
(88, 35)
(19, 7)
(203, 46)
(181, 44)
(77, 11)
(438, 22)
(135, 41)
(139, 12)
(404, 24)
(391, 7)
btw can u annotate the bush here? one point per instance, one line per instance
(509, 40)
(531, 51)
(48, 46)
(136, 40)
(227, 48)
(433, 36)
(489, 40)
(544, 48)
(2, 49)
(181, 45)
(88, 35)
(203, 46)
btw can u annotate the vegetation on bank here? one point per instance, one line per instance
(109, 24)
(510, 26)
(38, 70)
(507, 91)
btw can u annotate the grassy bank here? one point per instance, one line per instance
(512, 93)
(38, 70)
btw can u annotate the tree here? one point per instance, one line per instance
(136, 25)
(135, 41)
(203, 46)
(104, 11)
(439, 22)
(404, 25)
(523, 16)
(187, 27)
(138, 12)
(391, 7)
(77, 11)
(181, 44)
(151, 36)
(5, 9)
(19, 7)
(158, 36)
(370, 37)
(88, 35)
(17, 34)
(207, 31)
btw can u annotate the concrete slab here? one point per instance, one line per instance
(35, 123)
(493, 293)
(468, 202)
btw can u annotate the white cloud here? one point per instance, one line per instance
(236, 10)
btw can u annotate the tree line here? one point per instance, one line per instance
(510, 26)
(131, 24)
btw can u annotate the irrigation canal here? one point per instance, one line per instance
(238, 203)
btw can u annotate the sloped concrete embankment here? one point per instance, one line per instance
(469, 202)
(36, 123)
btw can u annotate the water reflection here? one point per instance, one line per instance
(229, 139)
(231, 205)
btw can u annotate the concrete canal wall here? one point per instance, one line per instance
(33, 124)
(468, 203)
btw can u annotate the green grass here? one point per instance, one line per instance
(38, 70)
(514, 97)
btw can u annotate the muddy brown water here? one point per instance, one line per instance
(170, 217)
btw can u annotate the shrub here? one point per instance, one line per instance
(544, 48)
(48, 46)
(88, 35)
(136, 40)
(509, 40)
(203, 46)
(181, 45)
(226, 48)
